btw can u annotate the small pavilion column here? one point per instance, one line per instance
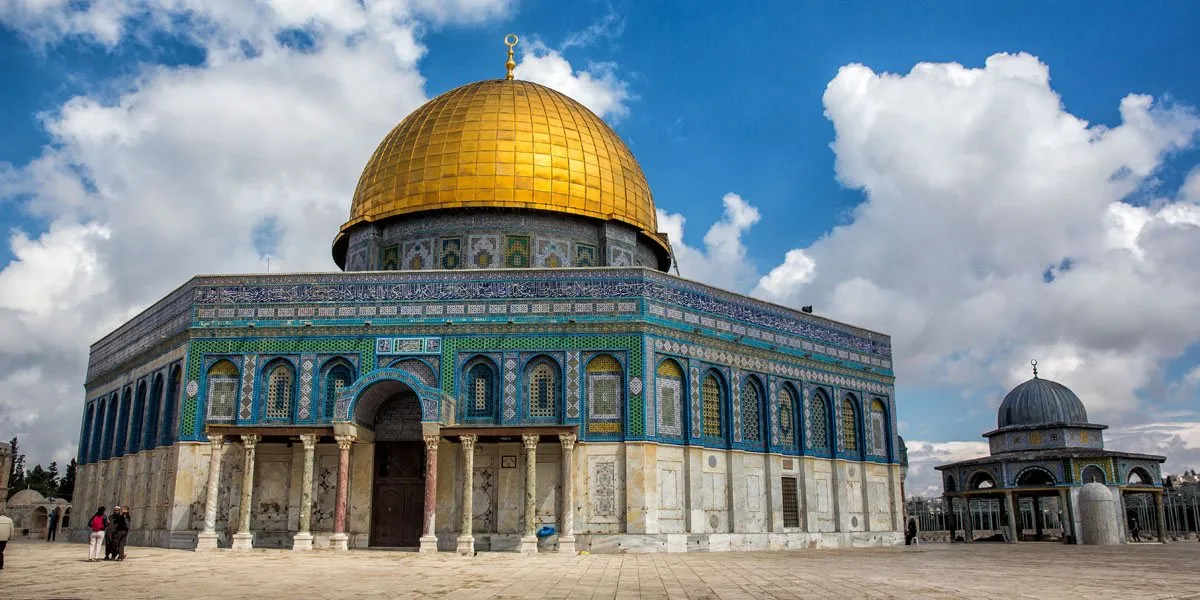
(428, 533)
(529, 540)
(466, 541)
(566, 535)
(1068, 528)
(1161, 513)
(1012, 516)
(1038, 518)
(339, 540)
(969, 524)
(207, 539)
(244, 539)
(303, 540)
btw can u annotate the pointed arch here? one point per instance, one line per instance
(820, 421)
(137, 418)
(171, 398)
(712, 405)
(121, 438)
(277, 394)
(752, 397)
(881, 429)
(480, 386)
(605, 388)
(670, 394)
(543, 378)
(85, 437)
(336, 374)
(153, 404)
(788, 415)
(849, 424)
(221, 389)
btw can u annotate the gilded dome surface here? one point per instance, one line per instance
(504, 144)
(1040, 402)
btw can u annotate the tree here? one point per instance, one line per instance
(66, 486)
(16, 475)
(41, 480)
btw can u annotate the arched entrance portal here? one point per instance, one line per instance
(398, 497)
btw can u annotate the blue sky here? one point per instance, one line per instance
(714, 99)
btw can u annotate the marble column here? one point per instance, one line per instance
(1161, 513)
(339, 540)
(244, 538)
(429, 520)
(529, 539)
(466, 541)
(207, 539)
(566, 533)
(1065, 516)
(1009, 505)
(303, 540)
(969, 524)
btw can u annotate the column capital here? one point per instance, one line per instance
(309, 440)
(216, 440)
(431, 442)
(344, 441)
(530, 440)
(468, 440)
(249, 441)
(567, 440)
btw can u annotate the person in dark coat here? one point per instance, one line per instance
(124, 523)
(110, 534)
(911, 533)
(51, 531)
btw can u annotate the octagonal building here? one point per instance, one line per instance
(504, 364)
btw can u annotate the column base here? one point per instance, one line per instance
(466, 545)
(566, 544)
(206, 541)
(429, 545)
(529, 544)
(242, 541)
(302, 542)
(339, 541)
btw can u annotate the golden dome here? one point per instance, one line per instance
(504, 144)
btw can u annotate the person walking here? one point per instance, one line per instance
(1135, 530)
(6, 529)
(124, 523)
(110, 534)
(52, 530)
(97, 524)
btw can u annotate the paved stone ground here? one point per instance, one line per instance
(43, 570)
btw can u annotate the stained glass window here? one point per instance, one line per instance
(710, 396)
(818, 421)
(222, 390)
(751, 425)
(787, 431)
(338, 377)
(542, 383)
(279, 392)
(849, 431)
(878, 428)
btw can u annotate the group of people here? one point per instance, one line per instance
(109, 532)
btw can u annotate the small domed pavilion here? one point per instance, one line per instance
(1042, 452)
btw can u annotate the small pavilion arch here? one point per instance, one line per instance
(1034, 476)
(1139, 476)
(359, 402)
(1092, 473)
(981, 480)
(950, 484)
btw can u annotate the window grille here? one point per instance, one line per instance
(605, 402)
(338, 378)
(849, 431)
(818, 421)
(751, 427)
(222, 390)
(878, 429)
(787, 433)
(279, 392)
(670, 388)
(791, 503)
(541, 391)
(710, 395)
(480, 390)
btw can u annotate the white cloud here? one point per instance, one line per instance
(923, 457)
(597, 87)
(722, 262)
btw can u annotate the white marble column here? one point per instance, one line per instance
(466, 541)
(1010, 506)
(566, 534)
(207, 539)
(244, 539)
(529, 539)
(303, 540)
(339, 540)
(429, 514)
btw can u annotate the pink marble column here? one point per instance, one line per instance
(428, 533)
(339, 540)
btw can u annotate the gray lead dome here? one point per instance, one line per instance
(1040, 402)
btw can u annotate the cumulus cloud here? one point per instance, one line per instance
(597, 86)
(924, 457)
(722, 261)
(198, 169)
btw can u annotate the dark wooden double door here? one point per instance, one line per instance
(399, 495)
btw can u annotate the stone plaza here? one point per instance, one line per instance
(1149, 570)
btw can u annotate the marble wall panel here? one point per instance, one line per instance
(549, 480)
(601, 508)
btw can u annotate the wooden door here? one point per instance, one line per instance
(399, 498)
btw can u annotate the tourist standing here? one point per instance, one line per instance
(6, 528)
(110, 534)
(50, 533)
(124, 523)
(97, 524)
(1134, 529)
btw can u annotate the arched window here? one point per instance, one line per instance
(787, 419)
(337, 377)
(150, 439)
(279, 390)
(605, 383)
(1093, 473)
(99, 431)
(1139, 476)
(136, 419)
(849, 425)
(879, 428)
(122, 438)
(168, 421)
(479, 390)
(222, 390)
(541, 380)
(818, 421)
(669, 381)
(710, 407)
(751, 410)
(85, 436)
